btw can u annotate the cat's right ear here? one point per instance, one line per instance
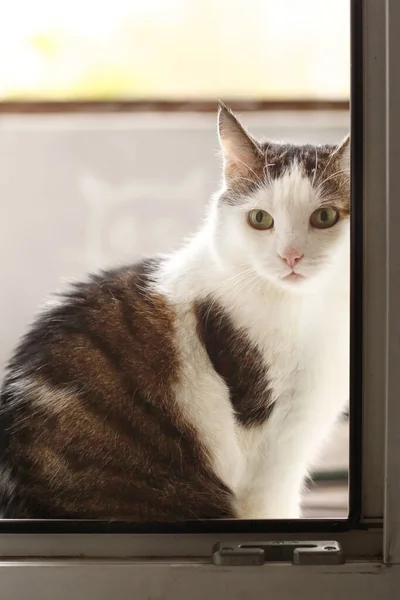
(241, 153)
(343, 153)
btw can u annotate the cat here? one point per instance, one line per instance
(200, 384)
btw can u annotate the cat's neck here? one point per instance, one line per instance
(197, 272)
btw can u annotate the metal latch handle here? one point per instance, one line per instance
(299, 553)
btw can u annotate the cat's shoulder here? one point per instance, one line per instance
(118, 305)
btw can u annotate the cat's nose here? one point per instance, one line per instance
(291, 257)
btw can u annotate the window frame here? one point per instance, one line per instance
(165, 106)
(378, 534)
(392, 423)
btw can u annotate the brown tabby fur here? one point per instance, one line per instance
(92, 427)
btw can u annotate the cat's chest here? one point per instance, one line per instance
(285, 358)
(293, 342)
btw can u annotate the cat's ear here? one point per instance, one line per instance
(242, 155)
(343, 154)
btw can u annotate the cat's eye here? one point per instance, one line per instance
(260, 219)
(323, 218)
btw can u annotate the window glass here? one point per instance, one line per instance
(88, 192)
(175, 49)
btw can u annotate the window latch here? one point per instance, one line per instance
(315, 552)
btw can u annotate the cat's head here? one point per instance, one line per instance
(284, 209)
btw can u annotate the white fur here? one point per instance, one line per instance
(301, 328)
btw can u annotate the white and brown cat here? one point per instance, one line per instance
(199, 384)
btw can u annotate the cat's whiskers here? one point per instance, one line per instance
(216, 292)
(257, 285)
(316, 166)
(333, 155)
(259, 181)
(243, 287)
(232, 277)
(245, 275)
(242, 284)
(335, 174)
(229, 283)
(237, 159)
(266, 172)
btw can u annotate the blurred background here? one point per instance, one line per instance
(108, 146)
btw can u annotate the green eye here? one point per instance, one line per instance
(323, 218)
(260, 219)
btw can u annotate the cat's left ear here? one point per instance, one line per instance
(343, 155)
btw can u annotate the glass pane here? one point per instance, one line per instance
(175, 49)
(211, 382)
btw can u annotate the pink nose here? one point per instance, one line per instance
(291, 257)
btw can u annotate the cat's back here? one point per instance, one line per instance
(89, 427)
(109, 320)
